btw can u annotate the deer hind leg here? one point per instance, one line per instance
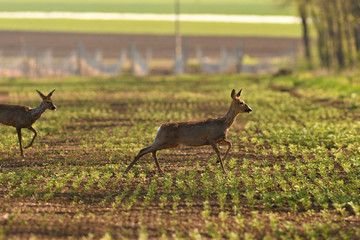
(19, 136)
(35, 134)
(217, 151)
(139, 155)
(157, 145)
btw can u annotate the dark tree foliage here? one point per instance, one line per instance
(337, 23)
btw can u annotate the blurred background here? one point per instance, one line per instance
(41, 38)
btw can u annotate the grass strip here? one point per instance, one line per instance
(151, 27)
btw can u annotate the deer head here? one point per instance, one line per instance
(238, 104)
(47, 102)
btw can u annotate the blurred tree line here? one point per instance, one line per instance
(337, 23)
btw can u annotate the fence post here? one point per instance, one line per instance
(25, 60)
(139, 67)
(78, 59)
(132, 57)
(239, 58)
(180, 61)
(1, 64)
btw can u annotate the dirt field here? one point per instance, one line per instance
(292, 173)
(11, 42)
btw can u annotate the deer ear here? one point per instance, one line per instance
(40, 94)
(239, 93)
(233, 93)
(50, 94)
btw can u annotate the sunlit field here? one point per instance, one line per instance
(152, 27)
(293, 171)
(257, 7)
(247, 7)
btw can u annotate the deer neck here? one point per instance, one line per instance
(230, 116)
(36, 112)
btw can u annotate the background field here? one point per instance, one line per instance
(151, 27)
(257, 7)
(293, 171)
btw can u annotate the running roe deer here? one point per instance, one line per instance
(24, 116)
(209, 132)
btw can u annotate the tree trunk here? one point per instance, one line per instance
(355, 6)
(337, 16)
(357, 38)
(339, 47)
(305, 35)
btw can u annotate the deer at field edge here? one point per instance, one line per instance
(23, 116)
(209, 132)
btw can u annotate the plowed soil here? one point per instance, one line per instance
(161, 46)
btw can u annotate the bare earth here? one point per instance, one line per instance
(161, 46)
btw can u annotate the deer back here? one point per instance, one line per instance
(192, 133)
(16, 116)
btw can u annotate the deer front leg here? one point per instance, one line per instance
(19, 136)
(35, 134)
(229, 146)
(216, 149)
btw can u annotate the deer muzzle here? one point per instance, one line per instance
(248, 110)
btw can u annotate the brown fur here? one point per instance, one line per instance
(209, 132)
(24, 116)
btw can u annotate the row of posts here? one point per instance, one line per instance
(81, 62)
